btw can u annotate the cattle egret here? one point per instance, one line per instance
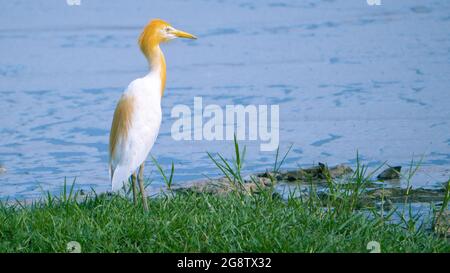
(137, 117)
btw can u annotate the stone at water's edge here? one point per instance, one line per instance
(317, 173)
(222, 186)
(2, 169)
(390, 173)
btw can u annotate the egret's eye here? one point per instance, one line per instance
(167, 29)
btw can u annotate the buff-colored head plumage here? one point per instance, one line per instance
(159, 31)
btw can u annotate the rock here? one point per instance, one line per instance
(277, 176)
(390, 173)
(317, 173)
(340, 170)
(222, 186)
(2, 169)
(442, 223)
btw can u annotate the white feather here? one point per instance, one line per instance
(131, 152)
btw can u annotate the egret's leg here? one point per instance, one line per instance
(133, 182)
(141, 186)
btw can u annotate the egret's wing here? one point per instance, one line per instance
(120, 127)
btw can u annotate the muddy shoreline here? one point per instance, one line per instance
(319, 176)
(376, 193)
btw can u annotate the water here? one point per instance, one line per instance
(348, 77)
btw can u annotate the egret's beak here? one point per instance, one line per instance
(182, 34)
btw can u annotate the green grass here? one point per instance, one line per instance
(237, 222)
(201, 223)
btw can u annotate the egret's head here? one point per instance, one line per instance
(159, 31)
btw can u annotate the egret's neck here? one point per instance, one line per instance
(157, 64)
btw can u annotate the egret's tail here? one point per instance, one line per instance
(119, 175)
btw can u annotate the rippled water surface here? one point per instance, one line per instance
(348, 77)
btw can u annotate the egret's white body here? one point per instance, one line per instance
(132, 151)
(137, 117)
